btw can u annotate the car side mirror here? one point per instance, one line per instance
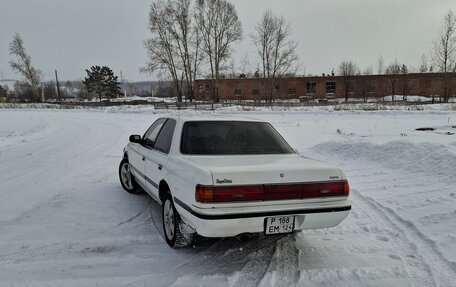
(135, 139)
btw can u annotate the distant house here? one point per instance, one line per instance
(328, 88)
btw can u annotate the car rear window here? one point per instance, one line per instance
(231, 138)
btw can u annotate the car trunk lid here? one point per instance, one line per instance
(266, 169)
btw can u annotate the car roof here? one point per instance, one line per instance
(209, 117)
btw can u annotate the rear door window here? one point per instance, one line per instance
(165, 137)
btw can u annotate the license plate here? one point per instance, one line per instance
(279, 224)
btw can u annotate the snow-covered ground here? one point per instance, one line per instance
(65, 221)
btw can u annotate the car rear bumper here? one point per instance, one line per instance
(216, 224)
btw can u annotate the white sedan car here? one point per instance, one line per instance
(225, 176)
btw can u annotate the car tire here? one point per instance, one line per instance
(172, 225)
(127, 180)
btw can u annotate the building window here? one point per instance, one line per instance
(370, 89)
(207, 88)
(292, 92)
(200, 88)
(311, 87)
(255, 92)
(238, 92)
(330, 87)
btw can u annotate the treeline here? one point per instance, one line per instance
(193, 39)
(76, 91)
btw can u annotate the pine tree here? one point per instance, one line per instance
(102, 81)
(404, 69)
(3, 91)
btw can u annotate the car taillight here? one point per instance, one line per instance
(325, 189)
(206, 194)
(229, 193)
(346, 188)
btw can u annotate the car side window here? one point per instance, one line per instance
(165, 137)
(152, 133)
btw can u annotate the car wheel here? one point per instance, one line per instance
(127, 180)
(172, 225)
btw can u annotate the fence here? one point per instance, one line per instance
(209, 105)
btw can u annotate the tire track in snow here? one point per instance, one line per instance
(365, 226)
(281, 266)
(131, 218)
(38, 252)
(221, 253)
(251, 258)
(355, 253)
(76, 248)
(416, 233)
(34, 133)
(409, 238)
(253, 272)
(415, 183)
(284, 268)
(390, 236)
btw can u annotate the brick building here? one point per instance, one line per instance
(328, 87)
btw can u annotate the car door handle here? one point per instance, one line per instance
(143, 158)
(160, 166)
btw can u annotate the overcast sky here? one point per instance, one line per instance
(72, 35)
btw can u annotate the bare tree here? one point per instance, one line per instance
(369, 70)
(232, 69)
(245, 65)
(380, 65)
(393, 69)
(220, 27)
(347, 69)
(406, 82)
(50, 91)
(424, 65)
(188, 38)
(444, 52)
(276, 50)
(364, 84)
(175, 42)
(23, 64)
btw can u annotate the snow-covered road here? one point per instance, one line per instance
(65, 221)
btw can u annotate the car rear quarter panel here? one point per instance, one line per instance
(183, 176)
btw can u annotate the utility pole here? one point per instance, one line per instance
(122, 84)
(58, 87)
